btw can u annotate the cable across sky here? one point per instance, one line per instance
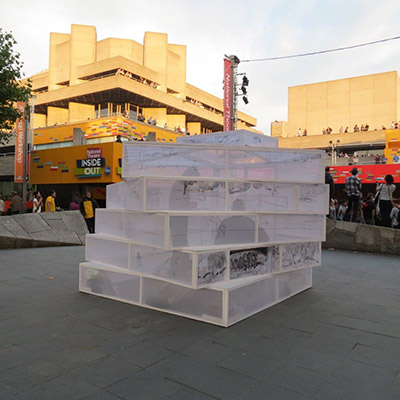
(322, 51)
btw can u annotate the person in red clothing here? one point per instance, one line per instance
(75, 202)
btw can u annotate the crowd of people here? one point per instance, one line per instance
(379, 208)
(153, 121)
(140, 79)
(86, 204)
(353, 159)
(356, 128)
(14, 199)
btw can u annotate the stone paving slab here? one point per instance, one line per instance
(338, 340)
(67, 228)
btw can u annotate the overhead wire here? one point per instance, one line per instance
(322, 51)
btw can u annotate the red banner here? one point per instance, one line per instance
(227, 94)
(19, 144)
(367, 173)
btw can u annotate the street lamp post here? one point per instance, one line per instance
(25, 158)
(28, 128)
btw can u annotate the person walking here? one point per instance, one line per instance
(37, 202)
(16, 203)
(385, 193)
(50, 204)
(88, 206)
(353, 189)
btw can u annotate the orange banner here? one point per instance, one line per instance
(19, 144)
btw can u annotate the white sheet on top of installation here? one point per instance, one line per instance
(126, 195)
(240, 137)
(276, 165)
(195, 231)
(261, 197)
(185, 195)
(170, 160)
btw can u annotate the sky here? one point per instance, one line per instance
(248, 29)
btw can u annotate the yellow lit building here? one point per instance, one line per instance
(371, 99)
(94, 90)
(89, 79)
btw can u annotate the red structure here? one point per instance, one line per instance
(367, 173)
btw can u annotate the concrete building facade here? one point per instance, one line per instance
(88, 78)
(370, 99)
(94, 90)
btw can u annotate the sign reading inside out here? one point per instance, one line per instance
(91, 166)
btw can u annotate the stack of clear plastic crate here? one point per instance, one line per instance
(215, 232)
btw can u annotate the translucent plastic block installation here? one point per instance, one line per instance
(241, 137)
(223, 304)
(207, 161)
(199, 268)
(216, 228)
(155, 194)
(175, 231)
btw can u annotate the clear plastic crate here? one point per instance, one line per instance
(207, 161)
(183, 195)
(197, 268)
(109, 222)
(224, 303)
(203, 304)
(261, 197)
(313, 199)
(254, 261)
(173, 265)
(296, 166)
(117, 285)
(240, 137)
(175, 231)
(212, 230)
(163, 195)
(300, 255)
(291, 228)
(107, 251)
(172, 160)
(126, 195)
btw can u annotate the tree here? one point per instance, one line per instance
(11, 88)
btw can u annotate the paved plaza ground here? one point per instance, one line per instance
(338, 340)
